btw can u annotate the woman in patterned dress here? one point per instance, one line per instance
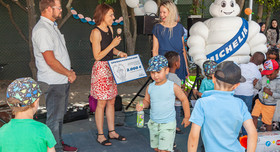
(272, 34)
(103, 86)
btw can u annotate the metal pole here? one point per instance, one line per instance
(251, 7)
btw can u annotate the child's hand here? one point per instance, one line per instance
(255, 81)
(195, 91)
(186, 122)
(266, 90)
(139, 108)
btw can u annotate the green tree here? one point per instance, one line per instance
(267, 6)
(32, 17)
(130, 35)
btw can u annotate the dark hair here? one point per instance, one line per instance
(277, 29)
(171, 57)
(100, 12)
(274, 51)
(44, 4)
(261, 24)
(257, 58)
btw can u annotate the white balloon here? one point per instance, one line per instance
(132, 3)
(139, 11)
(150, 7)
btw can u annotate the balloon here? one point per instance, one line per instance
(248, 11)
(132, 3)
(139, 11)
(150, 7)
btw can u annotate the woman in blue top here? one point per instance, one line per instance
(168, 35)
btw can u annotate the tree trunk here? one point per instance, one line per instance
(31, 23)
(267, 22)
(158, 2)
(241, 5)
(195, 6)
(130, 40)
(260, 13)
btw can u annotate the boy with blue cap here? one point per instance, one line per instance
(23, 133)
(161, 96)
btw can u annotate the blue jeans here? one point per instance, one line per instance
(56, 103)
(178, 115)
(248, 101)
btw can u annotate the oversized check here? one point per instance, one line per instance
(127, 69)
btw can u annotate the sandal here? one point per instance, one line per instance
(120, 138)
(104, 142)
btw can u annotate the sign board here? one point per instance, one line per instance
(127, 69)
(268, 141)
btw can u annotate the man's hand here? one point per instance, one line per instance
(72, 76)
(186, 122)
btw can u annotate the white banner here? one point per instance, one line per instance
(127, 69)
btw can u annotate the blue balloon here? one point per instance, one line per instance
(91, 23)
(83, 20)
(76, 16)
(115, 23)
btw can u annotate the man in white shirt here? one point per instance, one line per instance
(250, 72)
(54, 67)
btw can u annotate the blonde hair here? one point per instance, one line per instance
(223, 85)
(172, 15)
(15, 110)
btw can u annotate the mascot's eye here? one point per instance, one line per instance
(231, 4)
(223, 4)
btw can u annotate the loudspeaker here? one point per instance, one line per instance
(146, 23)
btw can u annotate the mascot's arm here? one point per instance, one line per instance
(197, 42)
(256, 40)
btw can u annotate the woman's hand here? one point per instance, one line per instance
(116, 41)
(122, 54)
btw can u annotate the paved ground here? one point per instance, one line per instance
(82, 134)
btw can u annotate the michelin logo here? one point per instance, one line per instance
(231, 46)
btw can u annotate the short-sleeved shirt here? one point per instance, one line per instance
(274, 87)
(206, 85)
(220, 116)
(162, 99)
(47, 37)
(20, 135)
(174, 78)
(250, 72)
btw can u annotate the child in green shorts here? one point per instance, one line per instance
(160, 95)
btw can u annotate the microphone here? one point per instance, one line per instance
(119, 31)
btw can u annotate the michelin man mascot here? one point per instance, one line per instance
(225, 36)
